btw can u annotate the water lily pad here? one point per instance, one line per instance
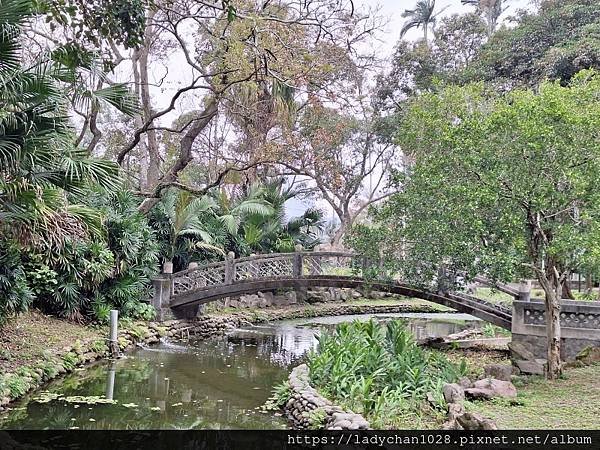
(87, 400)
(45, 397)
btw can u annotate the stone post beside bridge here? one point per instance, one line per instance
(162, 295)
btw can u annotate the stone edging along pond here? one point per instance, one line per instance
(15, 384)
(306, 408)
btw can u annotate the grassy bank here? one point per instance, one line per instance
(34, 336)
(572, 402)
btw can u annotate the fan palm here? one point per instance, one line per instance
(39, 164)
(422, 15)
(233, 213)
(271, 232)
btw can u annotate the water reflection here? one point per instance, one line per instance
(216, 383)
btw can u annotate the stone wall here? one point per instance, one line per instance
(580, 327)
(306, 403)
(316, 295)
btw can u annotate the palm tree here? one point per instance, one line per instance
(491, 9)
(43, 174)
(184, 223)
(273, 232)
(234, 212)
(422, 15)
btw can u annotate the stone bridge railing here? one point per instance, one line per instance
(276, 265)
(300, 270)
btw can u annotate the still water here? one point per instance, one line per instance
(218, 383)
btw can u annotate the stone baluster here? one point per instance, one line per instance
(230, 268)
(163, 286)
(298, 261)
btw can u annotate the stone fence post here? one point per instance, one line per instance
(229, 268)
(297, 262)
(162, 295)
(525, 290)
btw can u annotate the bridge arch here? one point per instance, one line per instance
(300, 270)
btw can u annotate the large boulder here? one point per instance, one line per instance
(489, 388)
(498, 371)
(519, 352)
(532, 367)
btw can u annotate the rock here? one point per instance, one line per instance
(267, 298)
(530, 367)
(489, 388)
(498, 371)
(473, 421)
(455, 410)
(589, 355)
(291, 297)
(453, 393)
(451, 425)
(520, 352)
(465, 382)
(343, 424)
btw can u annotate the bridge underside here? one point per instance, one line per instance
(458, 302)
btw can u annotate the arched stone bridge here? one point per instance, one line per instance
(183, 291)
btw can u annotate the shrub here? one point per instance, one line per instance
(280, 394)
(15, 292)
(379, 370)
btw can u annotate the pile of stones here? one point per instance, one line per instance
(306, 403)
(497, 383)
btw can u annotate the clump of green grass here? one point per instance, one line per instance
(379, 371)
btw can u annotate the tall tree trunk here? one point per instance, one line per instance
(153, 174)
(566, 291)
(553, 287)
(339, 234)
(152, 143)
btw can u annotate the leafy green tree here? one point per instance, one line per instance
(415, 67)
(54, 244)
(504, 186)
(555, 42)
(97, 22)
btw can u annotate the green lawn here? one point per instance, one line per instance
(572, 402)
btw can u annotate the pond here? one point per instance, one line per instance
(217, 383)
